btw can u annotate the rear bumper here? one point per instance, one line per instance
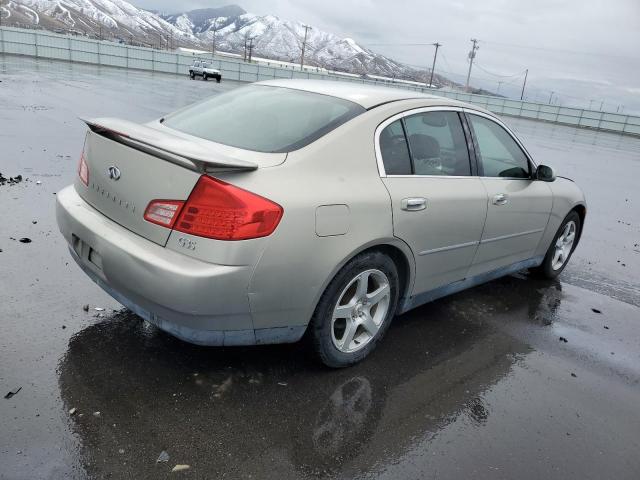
(199, 302)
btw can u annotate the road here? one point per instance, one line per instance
(477, 385)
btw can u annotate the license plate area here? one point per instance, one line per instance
(86, 252)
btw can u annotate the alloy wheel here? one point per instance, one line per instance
(564, 245)
(360, 311)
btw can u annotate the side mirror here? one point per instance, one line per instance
(545, 174)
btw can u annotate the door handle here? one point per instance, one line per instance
(500, 199)
(413, 204)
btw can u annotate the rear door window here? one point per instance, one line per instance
(437, 143)
(428, 143)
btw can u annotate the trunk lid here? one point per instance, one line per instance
(130, 165)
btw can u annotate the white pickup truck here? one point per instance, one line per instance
(203, 69)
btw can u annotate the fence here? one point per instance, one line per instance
(43, 44)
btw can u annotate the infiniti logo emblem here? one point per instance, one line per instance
(113, 172)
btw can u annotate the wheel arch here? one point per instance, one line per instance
(396, 249)
(581, 210)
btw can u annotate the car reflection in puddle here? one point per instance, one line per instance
(246, 411)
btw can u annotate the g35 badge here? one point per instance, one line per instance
(187, 243)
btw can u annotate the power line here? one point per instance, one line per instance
(559, 50)
(519, 74)
(399, 44)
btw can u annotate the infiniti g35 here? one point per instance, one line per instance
(321, 209)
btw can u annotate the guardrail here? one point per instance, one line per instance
(49, 45)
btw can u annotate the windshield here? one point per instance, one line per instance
(264, 118)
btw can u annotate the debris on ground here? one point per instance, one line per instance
(96, 414)
(121, 451)
(595, 310)
(85, 307)
(99, 309)
(73, 411)
(606, 327)
(573, 375)
(13, 392)
(34, 221)
(283, 384)
(562, 339)
(163, 457)
(38, 182)
(180, 468)
(10, 180)
(25, 240)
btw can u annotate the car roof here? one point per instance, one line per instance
(365, 95)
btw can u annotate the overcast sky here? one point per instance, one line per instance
(581, 49)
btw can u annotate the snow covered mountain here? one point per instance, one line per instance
(282, 40)
(272, 37)
(108, 19)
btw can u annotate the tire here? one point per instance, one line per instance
(218, 78)
(345, 341)
(205, 77)
(552, 266)
(192, 75)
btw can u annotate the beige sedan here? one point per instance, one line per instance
(298, 208)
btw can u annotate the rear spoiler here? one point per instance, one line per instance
(166, 145)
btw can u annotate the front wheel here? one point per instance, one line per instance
(192, 75)
(205, 77)
(561, 248)
(355, 310)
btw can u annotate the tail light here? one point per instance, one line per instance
(219, 210)
(163, 212)
(83, 170)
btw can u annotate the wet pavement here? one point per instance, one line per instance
(477, 385)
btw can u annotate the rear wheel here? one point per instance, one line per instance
(218, 78)
(561, 248)
(355, 310)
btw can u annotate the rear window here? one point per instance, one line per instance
(264, 118)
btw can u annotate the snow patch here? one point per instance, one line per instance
(352, 43)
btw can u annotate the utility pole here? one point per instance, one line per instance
(435, 55)
(524, 84)
(500, 82)
(550, 97)
(601, 105)
(590, 104)
(250, 48)
(244, 58)
(304, 44)
(472, 55)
